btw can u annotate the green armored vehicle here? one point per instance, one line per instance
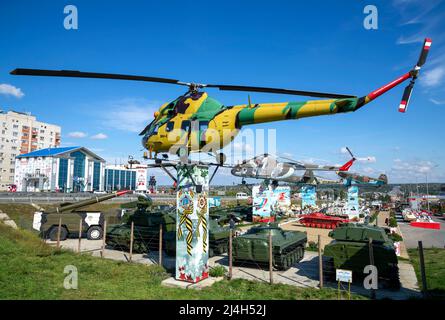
(47, 221)
(147, 220)
(350, 251)
(218, 237)
(253, 246)
(239, 213)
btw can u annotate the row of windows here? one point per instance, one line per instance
(120, 179)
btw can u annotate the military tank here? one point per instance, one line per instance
(47, 221)
(253, 246)
(321, 220)
(147, 220)
(350, 250)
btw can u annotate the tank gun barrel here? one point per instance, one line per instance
(83, 203)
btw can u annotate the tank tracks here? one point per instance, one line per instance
(289, 257)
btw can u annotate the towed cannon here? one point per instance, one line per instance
(47, 221)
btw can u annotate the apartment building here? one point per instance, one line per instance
(21, 133)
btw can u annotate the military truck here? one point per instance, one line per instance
(253, 246)
(47, 221)
(350, 250)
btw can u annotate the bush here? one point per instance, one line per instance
(218, 271)
(312, 246)
(392, 222)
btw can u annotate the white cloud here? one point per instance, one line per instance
(416, 168)
(9, 90)
(433, 77)
(370, 159)
(77, 134)
(437, 102)
(130, 114)
(99, 136)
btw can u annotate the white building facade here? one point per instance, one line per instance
(21, 133)
(70, 169)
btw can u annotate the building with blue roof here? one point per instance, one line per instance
(64, 169)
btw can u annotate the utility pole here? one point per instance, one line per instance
(427, 192)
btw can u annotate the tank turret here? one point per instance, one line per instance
(360, 233)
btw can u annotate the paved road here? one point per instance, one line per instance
(430, 238)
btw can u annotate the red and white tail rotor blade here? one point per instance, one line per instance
(405, 98)
(403, 106)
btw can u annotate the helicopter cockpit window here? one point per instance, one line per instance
(153, 130)
(185, 125)
(169, 126)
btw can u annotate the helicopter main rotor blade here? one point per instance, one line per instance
(192, 86)
(280, 91)
(95, 75)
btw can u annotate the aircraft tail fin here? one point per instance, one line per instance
(348, 164)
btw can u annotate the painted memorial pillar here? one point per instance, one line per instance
(262, 203)
(192, 215)
(352, 209)
(308, 196)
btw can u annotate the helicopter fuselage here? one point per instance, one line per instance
(201, 124)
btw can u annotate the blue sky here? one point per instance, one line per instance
(319, 46)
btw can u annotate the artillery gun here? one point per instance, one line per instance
(47, 221)
(253, 246)
(350, 250)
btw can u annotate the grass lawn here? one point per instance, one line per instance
(435, 270)
(30, 269)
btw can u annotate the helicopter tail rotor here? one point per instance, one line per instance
(415, 72)
(412, 74)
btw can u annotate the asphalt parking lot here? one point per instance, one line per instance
(430, 238)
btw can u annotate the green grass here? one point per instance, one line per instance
(30, 269)
(434, 269)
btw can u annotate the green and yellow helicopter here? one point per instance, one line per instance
(195, 122)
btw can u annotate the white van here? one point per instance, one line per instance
(241, 196)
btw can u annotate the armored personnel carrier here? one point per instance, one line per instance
(253, 246)
(47, 221)
(350, 250)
